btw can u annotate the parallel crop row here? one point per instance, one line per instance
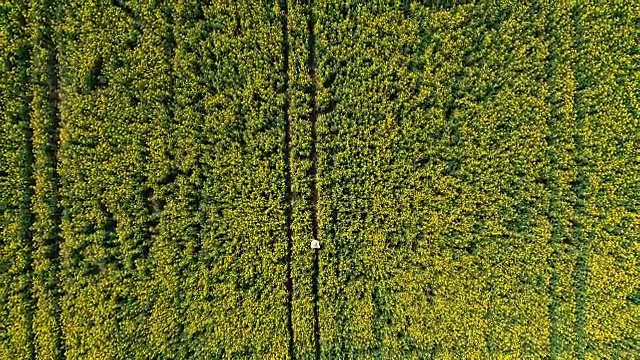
(44, 122)
(607, 69)
(561, 175)
(110, 101)
(16, 298)
(433, 154)
(465, 173)
(173, 178)
(222, 240)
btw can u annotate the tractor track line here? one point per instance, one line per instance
(556, 232)
(311, 65)
(284, 8)
(581, 182)
(51, 129)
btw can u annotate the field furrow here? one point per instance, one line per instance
(562, 86)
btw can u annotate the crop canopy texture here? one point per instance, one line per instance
(327, 179)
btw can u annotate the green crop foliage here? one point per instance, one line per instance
(44, 123)
(173, 179)
(607, 107)
(470, 169)
(16, 297)
(434, 184)
(459, 200)
(104, 253)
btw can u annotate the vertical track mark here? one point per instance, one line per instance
(47, 81)
(314, 168)
(287, 169)
(556, 232)
(579, 189)
(28, 215)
